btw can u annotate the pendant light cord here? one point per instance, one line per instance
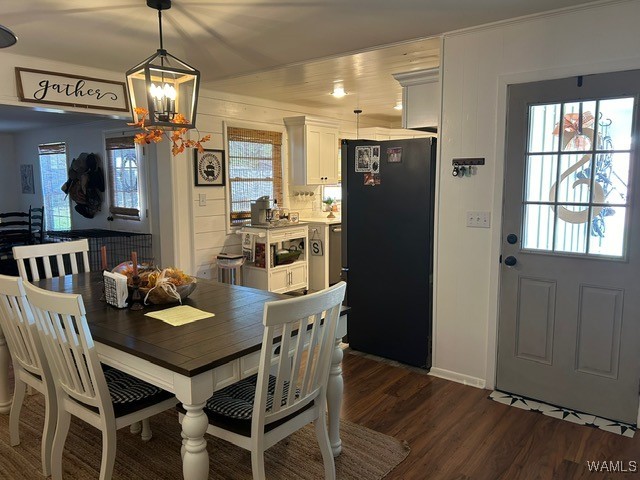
(161, 42)
(357, 111)
(160, 28)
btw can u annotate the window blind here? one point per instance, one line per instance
(52, 149)
(255, 169)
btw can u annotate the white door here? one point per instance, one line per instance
(570, 291)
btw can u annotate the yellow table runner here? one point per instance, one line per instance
(180, 315)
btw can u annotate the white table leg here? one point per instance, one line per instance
(5, 358)
(195, 459)
(334, 398)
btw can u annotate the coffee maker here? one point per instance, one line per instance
(260, 211)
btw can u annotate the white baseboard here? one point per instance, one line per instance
(458, 377)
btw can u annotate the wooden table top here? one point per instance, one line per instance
(235, 330)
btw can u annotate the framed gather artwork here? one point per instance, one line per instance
(209, 168)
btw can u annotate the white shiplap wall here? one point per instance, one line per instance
(209, 223)
(478, 65)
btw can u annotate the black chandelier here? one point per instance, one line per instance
(163, 85)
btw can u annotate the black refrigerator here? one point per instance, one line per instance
(387, 246)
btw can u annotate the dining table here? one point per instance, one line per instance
(192, 360)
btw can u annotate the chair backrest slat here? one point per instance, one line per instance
(311, 359)
(60, 264)
(76, 347)
(18, 325)
(307, 328)
(283, 365)
(61, 251)
(36, 224)
(69, 347)
(297, 356)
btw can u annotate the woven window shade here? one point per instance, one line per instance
(52, 149)
(123, 177)
(255, 169)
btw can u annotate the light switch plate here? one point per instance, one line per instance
(202, 199)
(479, 219)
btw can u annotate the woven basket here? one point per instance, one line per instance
(158, 296)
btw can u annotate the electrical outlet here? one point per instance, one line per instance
(202, 199)
(479, 219)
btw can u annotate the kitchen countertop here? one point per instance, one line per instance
(275, 227)
(323, 219)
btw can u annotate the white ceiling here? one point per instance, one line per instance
(264, 48)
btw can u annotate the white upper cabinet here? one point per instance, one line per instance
(313, 150)
(420, 98)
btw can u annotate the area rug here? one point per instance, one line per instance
(366, 454)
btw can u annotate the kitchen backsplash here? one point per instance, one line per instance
(306, 200)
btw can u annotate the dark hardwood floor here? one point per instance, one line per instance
(456, 433)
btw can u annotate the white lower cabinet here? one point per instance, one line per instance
(286, 278)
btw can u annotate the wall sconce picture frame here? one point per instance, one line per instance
(209, 168)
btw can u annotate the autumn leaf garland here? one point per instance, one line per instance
(156, 135)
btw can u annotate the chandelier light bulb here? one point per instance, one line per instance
(169, 92)
(156, 91)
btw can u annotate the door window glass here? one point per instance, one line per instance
(577, 176)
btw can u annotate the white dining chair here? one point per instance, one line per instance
(106, 398)
(289, 390)
(29, 364)
(62, 251)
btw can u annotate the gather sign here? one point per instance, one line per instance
(39, 86)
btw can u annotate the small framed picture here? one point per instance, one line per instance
(294, 217)
(26, 178)
(363, 159)
(209, 168)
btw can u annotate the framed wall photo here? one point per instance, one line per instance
(209, 168)
(26, 179)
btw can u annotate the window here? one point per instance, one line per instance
(576, 198)
(255, 170)
(53, 172)
(332, 191)
(124, 175)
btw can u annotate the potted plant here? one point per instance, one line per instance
(329, 203)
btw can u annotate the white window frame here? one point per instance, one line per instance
(46, 225)
(138, 224)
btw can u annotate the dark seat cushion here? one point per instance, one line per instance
(236, 401)
(130, 394)
(231, 408)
